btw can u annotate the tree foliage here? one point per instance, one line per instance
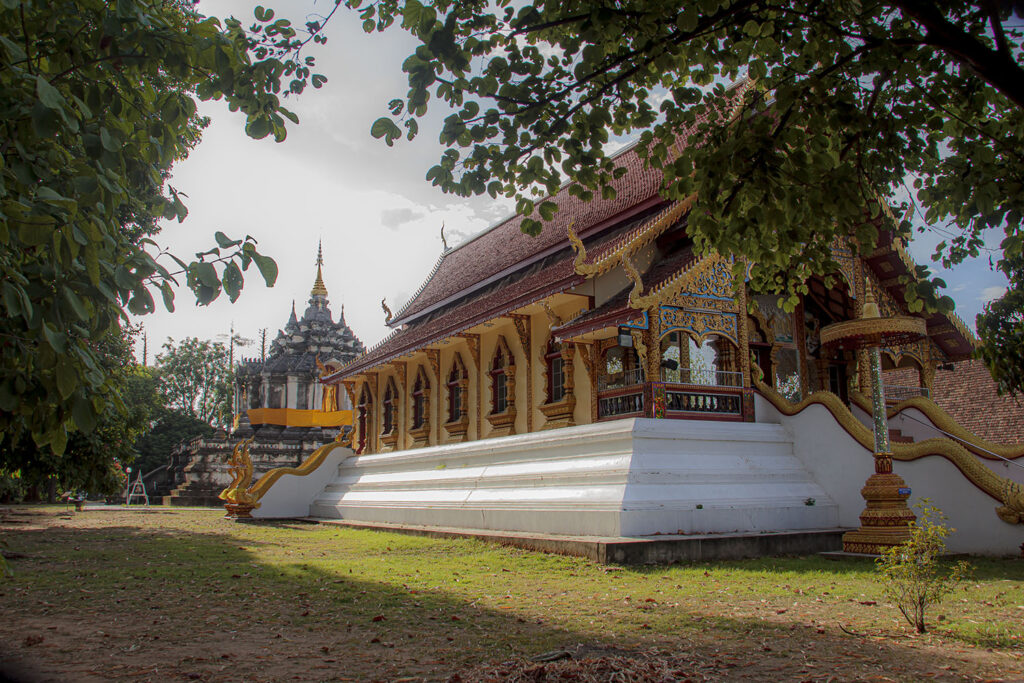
(195, 378)
(92, 461)
(1001, 328)
(914, 576)
(847, 101)
(168, 428)
(98, 99)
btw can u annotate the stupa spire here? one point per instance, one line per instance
(319, 289)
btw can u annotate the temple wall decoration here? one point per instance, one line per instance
(844, 255)
(699, 323)
(695, 308)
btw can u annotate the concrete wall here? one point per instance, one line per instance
(841, 465)
(624, 478)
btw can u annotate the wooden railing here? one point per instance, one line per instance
(709, 401)
(622, 402)
(895, 393)
(681, 401)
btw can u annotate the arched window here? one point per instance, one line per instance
(499, 378)
(454, 385)
(390, 407)
(419, 399)
(621, 368)
(555, 371)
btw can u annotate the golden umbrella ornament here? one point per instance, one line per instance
(886, 518)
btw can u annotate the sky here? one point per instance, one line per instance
(378, 218)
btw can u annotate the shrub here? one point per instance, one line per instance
(915, 577)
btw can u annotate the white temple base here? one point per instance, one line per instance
(631, 477)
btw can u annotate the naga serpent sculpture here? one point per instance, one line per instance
(242, 496)
(1007, 492)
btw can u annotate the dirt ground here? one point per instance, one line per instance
(179, 596)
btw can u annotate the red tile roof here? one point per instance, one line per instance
(505, 247)
(968, 394)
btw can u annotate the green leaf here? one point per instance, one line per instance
(233, 281)
(56, 340)
(35, 233)
(48, 95)
(58, 440)
(224, 241)
(76, 303)
(268, 268)
(168, 295)
(108, 141)
(385, 128)
(206, 273)
(67, 379)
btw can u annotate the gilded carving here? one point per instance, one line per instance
(553, 319)
(631, 242)
(635, 298)
(259, 489)
(473, 344)
(434, 358)
(239, 501)
(699, 324)
(350, 390)
(843, 255)
(588, 353)
(640, 346)
(522, 323)
(917, 350)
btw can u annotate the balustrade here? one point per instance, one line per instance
(621, 404)
(703, 402)
(895, 393)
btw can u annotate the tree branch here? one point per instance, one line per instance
(999, 70)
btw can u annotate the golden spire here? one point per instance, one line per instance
(318, 287)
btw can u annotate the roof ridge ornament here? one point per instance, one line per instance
(631, 241)
(387, 311)
(444, 242)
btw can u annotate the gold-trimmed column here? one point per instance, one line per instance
(434, 418)
(522, 323)
(473, 344)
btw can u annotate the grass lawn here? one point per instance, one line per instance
(171, 595)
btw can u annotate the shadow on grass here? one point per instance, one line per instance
(135, 602)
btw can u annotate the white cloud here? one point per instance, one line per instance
(991, 294)
(393, 218)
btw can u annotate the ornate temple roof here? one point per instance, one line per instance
(505, 248)
(314, 336)
(503, 269)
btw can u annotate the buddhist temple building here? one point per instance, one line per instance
(610, 313)
(606, 379)
(280, 396)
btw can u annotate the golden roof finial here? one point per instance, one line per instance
(319, 289)
(870, 309)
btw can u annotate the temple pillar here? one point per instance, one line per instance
(742, 334)
(800, 339)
